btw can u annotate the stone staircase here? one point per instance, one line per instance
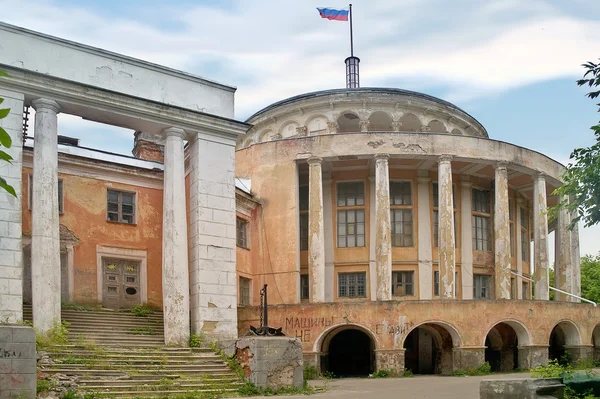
(116, 354)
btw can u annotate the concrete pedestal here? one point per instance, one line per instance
(542, 388)
(17, 362)
(271, 362)
(390, 360)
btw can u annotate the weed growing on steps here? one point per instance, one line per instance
(81, 306)
(141, 310)
(45, 385)
(73, 360)
(196, 340)
(57, 335)
(484, 369)
(142, 331)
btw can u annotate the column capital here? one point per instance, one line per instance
(540, 177)
(313, 160)
(500, 165)
(174, 132)
(43, 104)
(381, 157)
(446, 158)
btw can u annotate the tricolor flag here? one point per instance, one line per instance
(336, 15)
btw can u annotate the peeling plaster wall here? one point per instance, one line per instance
(85, 215)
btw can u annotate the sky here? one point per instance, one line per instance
(512, 64)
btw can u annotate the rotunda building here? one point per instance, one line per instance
(394, 234)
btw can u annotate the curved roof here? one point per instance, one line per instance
(374, 90)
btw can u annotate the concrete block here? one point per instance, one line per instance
(542, 388)
(271, 362)
(17, 362)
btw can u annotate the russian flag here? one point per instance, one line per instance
(336, 15)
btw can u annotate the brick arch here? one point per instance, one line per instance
(520, 329)
(571, 331)
(451, 329)
(325, 337)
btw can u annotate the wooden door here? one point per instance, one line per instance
(121, 283)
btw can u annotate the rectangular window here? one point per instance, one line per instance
(351, 194)
(351, 222)
(241, 233)
(481, 201)
(436, 283)
(402, 283)
(526, 293)
(511, 224)
(481, 220)
(303, 199)
(351, 229)
(482, 285)
(304, 290)
(244, 291)
(60, 195)
(400, 193)
(121, 206)
(352, 285)
(402, 227)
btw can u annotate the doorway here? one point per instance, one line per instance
(121, 283)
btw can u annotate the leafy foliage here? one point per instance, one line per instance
(141, 310)
(582, 178)
(57, 335)
(590, 277)
(196, 340)
(6, 142)
(484, 369)
(553, 370)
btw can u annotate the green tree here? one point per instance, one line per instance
(590, 277)
(6, 142)
(581, 180)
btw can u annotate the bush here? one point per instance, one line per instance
(407, 373)
(484, 369)
(45, 385)
(553, 370)
(196, 340)
(380, 374)
(311, 373)
(57, 335)
(141, 310)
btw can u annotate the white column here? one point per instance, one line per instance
(575, 261)
(45, 238)
(316, 231)
(446, 247)
(383, 233)
(518, 247)
(372, 235)
(540, 238)
(213, 280)
(11, 260)
(563, 263)
(175, 275)
(329, 239)
(467, 239)
(501, 233)
(424, 236)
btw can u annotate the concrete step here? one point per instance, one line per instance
(143, 362)
(122, 351)
(138, 367)
(181, 357)
(89, 315)
(124, 371)
(166, 394)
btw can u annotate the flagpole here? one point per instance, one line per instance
(351, 38)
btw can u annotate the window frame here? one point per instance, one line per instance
(488, 279)
(485, 241)
(303, 217)
(525, 241)
(61, 194)
(245, 292)
(347, 284)
(120, 206)
(436, 283)
(304, 278)
(356, 209)
(511, 224)
(241, 222)
(403, 284)
(403, 209)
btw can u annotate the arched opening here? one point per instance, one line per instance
(428, 349)
(564, 334)
(265, 136)
(456, 132)
(348, 122)
(380, 121)
(410, 123)
(502, 348)
(348, 352)
(436, 126)
(596, 342)
(288, 130)
(317, 126)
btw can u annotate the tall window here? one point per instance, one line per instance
(524, 234)
(303, 194)
(351, 214)
(402, 283)
(121, 207)
(511, 218)
(401, 214)
(352, 285)
(481, 220)
(526, 292)
(304, 290)
(241, 232)
(436, 283)
(244, 291)
(482, 286)
(436, 215)
(60, 195)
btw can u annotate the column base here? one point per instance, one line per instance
(533, 356)
(390, 359)
(580, 353)
(466, 358)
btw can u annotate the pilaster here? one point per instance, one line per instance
(563, 264)
(175, 275)
(501, 233)
(466, 239)
(540, 238)
(328, 239)
(383, 239)
(575, 259)
(424, 236)
(316, 233)
(446, 247)
(518, 247)
(45, 237)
